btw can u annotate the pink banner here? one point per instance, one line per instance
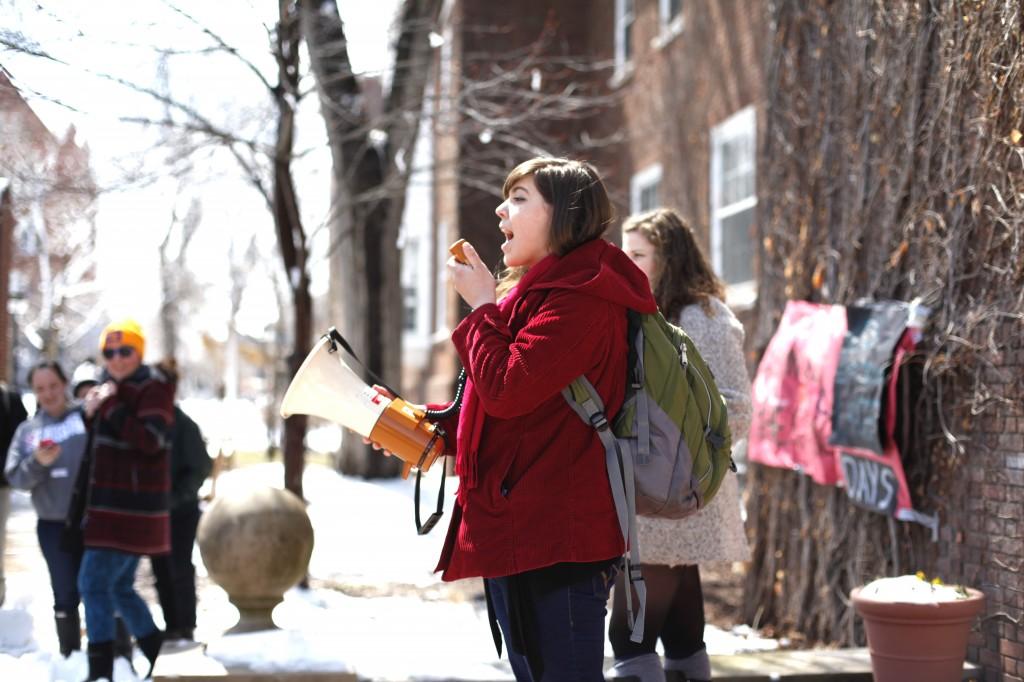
(819, 352)
(792, 392)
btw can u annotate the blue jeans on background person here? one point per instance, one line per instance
(553, 620)
(106, 583)
(63, 565)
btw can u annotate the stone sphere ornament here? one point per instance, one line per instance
(256, 544)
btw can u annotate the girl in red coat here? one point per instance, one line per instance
(534, 514)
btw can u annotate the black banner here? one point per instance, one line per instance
(864, 361)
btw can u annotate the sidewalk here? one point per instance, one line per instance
(374, 607)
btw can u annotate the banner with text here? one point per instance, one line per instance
(792, 392)
(825, 400)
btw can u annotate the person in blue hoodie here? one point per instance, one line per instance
(44, 458)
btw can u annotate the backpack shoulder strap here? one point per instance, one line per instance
(585, 401)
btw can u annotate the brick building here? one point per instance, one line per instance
(49, 234)
(984, 541)
(681, 112)
(662, 117)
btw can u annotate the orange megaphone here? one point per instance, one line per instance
(326, 387)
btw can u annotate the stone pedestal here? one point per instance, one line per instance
(256, 545)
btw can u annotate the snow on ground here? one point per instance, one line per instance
(375, 606)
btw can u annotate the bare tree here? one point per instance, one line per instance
(371, 165)
(175, 281)
(504, 111)
(52, 194)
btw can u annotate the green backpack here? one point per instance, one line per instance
(669, 448)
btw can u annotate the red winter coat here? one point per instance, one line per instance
(130, 480)
(533, 488)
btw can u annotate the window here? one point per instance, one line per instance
(624, 19)
(410, 282)
(671, 12)
(441, 286)
(643, 189)
(417, 244)
(409, 309)
(734, 200)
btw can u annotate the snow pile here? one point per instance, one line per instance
(911, 589)
(16, 628)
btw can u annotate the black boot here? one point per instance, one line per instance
(150, 645)
(101, 660)
(69, 631)
(123, 642)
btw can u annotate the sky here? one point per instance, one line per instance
(107, 37)
(393, 621)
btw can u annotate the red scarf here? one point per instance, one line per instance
(471, 416)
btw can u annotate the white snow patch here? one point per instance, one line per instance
(365, 543)
(910, 589)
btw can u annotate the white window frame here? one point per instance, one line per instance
(416, 237)
(440, 331)
(623, 64)
(670, 26)
(743, 122)
(641, 180)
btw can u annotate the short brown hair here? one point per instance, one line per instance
(581, 210)
(684, 275)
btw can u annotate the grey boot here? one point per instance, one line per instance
(644, 668)
(693, 668)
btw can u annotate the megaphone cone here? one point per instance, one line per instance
(326, 387)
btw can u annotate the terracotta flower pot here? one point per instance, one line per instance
(918, 641)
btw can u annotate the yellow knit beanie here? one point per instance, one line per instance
(127, 332)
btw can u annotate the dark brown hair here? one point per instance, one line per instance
(580, 208)
(50, 365)
(684, 276)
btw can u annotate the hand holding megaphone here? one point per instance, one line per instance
(372, 443)
(474, 282)
(324, 386)
(390, 396)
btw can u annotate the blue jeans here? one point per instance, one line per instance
(106, 581)
(63, 566)
(552, 620)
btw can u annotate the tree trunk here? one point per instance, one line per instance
(368, 192)
(290, 233)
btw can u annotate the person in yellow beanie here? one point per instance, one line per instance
(117, 335)
(130, 415)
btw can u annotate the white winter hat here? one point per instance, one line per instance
(85, 373)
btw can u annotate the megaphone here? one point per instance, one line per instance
(326, 387)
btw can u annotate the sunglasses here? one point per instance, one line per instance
(123, 351)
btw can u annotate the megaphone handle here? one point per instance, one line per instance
(424, 528)
(335, 336)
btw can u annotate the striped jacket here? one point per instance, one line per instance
(129, 483)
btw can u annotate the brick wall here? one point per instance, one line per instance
(984, 543)
(680, 87)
